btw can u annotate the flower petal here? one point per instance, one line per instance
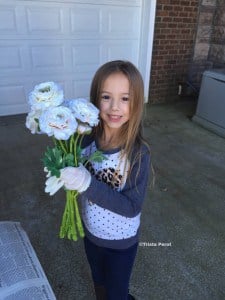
(32, 121)
(58, 121)
(84, 111)
(53, 184)
(45, 95)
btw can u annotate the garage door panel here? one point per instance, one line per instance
(12, 98)
(86, 55)
(44, 19)
(10, 92)
(122, 21)
(104, 22)
(126, 50)
(31, 57)
(14, 59)
(63, 42)
(12, 109)
(81, 88)
(85, 21)
(8, 20)
(101, 2)
(48, 56)
(10, 58)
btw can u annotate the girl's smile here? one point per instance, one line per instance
(114, 104)
(114, 118)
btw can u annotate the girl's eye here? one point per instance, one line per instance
(125, 98)
(105, 97)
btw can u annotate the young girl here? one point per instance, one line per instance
(112, 192)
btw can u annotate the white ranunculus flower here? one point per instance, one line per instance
(53, 184)
(84, 111)
(58, 122)
(44, 95)
(32, 121)
(83, 128)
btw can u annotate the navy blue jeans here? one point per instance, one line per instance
(111, 268)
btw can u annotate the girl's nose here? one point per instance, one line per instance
(115, 105)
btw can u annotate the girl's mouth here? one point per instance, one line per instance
(114, 118)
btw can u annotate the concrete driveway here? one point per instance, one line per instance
(181, 253)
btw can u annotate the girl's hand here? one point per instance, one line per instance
(77, 179)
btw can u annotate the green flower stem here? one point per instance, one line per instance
(64, 224)
(71, 214)
(81, 139)
(75, 150)
(72, 231)
(55, 141)
(62, 146)
(71, 226)
(71, 143)
(66, 145)
(68, 227)
(77, 214)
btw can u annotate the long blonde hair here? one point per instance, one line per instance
(130, 134)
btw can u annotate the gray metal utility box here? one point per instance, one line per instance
(210, 111)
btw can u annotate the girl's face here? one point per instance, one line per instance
(114, 101)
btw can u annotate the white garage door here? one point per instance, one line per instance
(65, 42)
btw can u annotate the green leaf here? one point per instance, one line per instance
(97, 156)
(69, 160)
(83, 159)
(55, 172)
(53, 160)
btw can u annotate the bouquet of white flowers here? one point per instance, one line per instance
(67, 122)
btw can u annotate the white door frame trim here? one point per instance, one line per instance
(146, 42)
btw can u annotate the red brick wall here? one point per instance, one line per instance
(174, 35)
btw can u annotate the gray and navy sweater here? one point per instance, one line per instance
(111, 206)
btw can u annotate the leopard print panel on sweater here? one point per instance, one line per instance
(108, 175)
